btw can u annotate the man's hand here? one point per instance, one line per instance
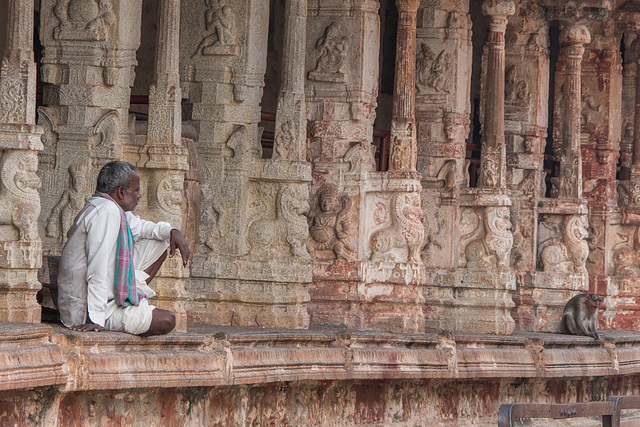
(87, 327)
(177, 240)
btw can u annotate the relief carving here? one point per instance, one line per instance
(515, 91)
(106, 131)
(83, 19)
(433, 73)
(570, 253)
(19, 196)
(330, 227)
(406, 230)
(284, 141)
(49, 139)
(627, 260)
(289, 225)
(238, 142)
(220, 25)
(589, 108)
(333, 52)
(71, 202)
(491, 239)
(169, 193)
(13, 95)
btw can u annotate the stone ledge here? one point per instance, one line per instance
(28, 358)
(40, 355)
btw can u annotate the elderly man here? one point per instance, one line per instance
(111, 256)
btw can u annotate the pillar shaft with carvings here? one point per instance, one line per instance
(572, 39)
(20, 244)
(291, 121)
(634, 185)
(164, 169)
(404, 151)
(165, 118)
(493, 156)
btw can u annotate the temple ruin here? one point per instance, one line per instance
(388, 202)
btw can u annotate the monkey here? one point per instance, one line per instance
(580, 315)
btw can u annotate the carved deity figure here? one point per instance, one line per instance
(424, 60)
(433, 73)
(333, 51)
(71, 202)
(329, 225)
(406, 230)
(568, 255)
(220, 22)
(589, 107)
(19, 197)
(490, 243)
(290, 225)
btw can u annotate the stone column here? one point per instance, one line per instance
(291, 120)
(493, 156)
(167, 159)
(403, 150)
(572, 39)
(20, 244)
(634, 185)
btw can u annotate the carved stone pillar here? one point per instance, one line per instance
(403, 149)
(250, 266)
(493, 156)
(163, 160)
(20, 244)
(634, 185)
(291, 119)
(572, 39)
(88, 70)
(562, 235)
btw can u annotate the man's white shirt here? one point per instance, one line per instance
(87, 268)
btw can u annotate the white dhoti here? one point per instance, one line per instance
(136, 319)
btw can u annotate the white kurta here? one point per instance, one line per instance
(87, 267)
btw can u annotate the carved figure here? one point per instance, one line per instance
(290, 224)
(83, 19)
(491, 242)
(333, 51)
(220, 20)
(406, 230)
(329, 225)
(13, 95)
(580, 315)
(627, 260)
(441, 72)
(71, 202)
(19, 195)
(424, 60)
(589, 106)
(568, 255)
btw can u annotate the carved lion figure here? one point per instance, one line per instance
(569, 255)
(290, 225)
(493, 248)
(406, 230)
(19, 195)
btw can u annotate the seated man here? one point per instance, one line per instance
(111, 256)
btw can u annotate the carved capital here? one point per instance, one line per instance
(575, 34)
(407, 5)
(498, 9)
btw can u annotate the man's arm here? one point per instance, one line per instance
(143, 229)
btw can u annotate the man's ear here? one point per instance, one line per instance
(119, 193)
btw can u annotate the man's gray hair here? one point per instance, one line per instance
(115, 174)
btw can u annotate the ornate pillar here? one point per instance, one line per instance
(634, 187)
(291, 118)
(562, 247)
(403, 149)
(572, 39)
(20, 244)
(493, 156)
(166, 160)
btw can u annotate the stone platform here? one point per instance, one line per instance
(218, 375)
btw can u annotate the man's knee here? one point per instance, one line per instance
(162, 322)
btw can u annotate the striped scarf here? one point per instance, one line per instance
(124, 283)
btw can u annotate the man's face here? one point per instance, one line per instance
(130, 197)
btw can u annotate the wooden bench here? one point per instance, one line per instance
(509, 413)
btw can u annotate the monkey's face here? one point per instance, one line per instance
(594, 303)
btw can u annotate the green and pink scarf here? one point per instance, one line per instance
(124, 283)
